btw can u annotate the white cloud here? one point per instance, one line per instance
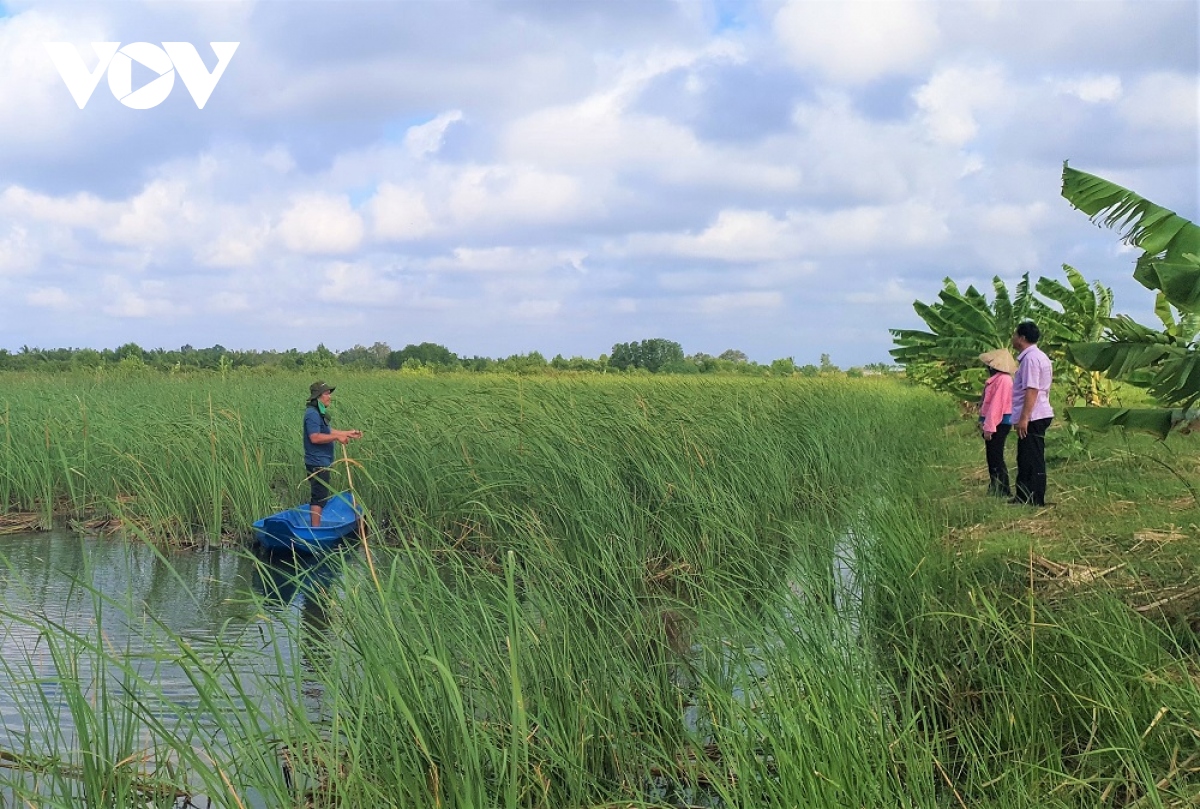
(848, 157)
(632, 72)
(972, 164)
(357, 283)
(279, 159)
(180, 209)
(238, 244)
(602, 135)
(696, 281)
(778, 273)
(156, 216)
(742, 236)
(731, 301)
(145, 300)
(228, 302)
(50, 298)
(894, 291)
(597, 139)
(1091, 89)
(952, 98)
(506, 260)
(536, 309)
(398, 213)
(1013, 220)
(497, 195)
(854, 41)
(17, 255)
(1163, 101)
(425, 139)
(1006, 236)
(36, 109)
(75, 210)
(749, 237)
(917, 224)
(321, 223)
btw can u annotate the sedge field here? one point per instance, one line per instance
(587, 591)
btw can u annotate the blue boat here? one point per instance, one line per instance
(292, 529)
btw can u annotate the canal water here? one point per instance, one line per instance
(153, 614)
(62, 594)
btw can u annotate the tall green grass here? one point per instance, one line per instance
(613, 593)
(180, 458)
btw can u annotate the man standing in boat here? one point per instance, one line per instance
(319, 439)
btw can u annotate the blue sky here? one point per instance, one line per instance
(782, 178)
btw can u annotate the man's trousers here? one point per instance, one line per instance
(1031, 463)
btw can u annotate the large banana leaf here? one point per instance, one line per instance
(1166, 363)
(1159, 421)
(1169, 370)
(1126, 361)
(1125, 329)
(1178, 280)
(1170, 243)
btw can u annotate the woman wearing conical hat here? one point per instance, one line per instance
(995, 417)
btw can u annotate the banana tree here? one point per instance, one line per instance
(1166, 362)
(1082, 317)
(962, 325)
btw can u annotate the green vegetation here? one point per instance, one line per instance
(614, 592)
(962, 325)
(1105, 581)
(1089, 347)
(1166, 362)
(180, 457)
(1083, 314)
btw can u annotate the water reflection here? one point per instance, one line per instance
(70, 600)
(300, 585)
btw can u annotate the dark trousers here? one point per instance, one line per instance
(1031, 463)
(997, 469)
(318, 485)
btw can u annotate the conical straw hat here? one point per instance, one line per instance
(999, 359)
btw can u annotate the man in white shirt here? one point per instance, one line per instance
(1031, 414)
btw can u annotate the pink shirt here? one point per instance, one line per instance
(1033, 371)
(997, 401)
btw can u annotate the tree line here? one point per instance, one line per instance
(652, 356)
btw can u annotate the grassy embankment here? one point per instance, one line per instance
(1072, 629)
(628, 593)
(1123, 515)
